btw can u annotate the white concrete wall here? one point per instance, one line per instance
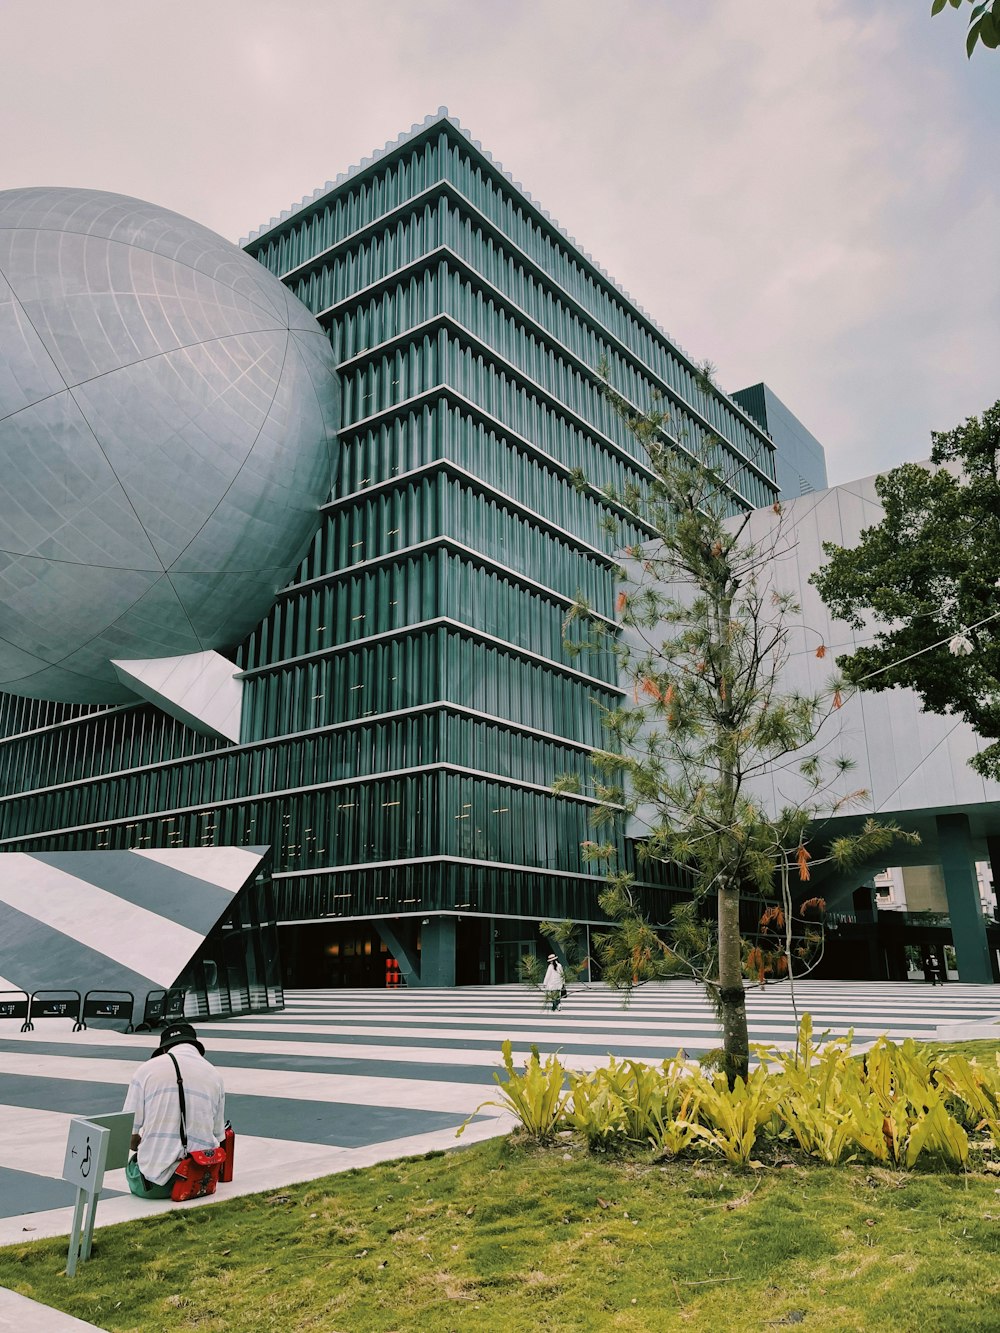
(907, 759)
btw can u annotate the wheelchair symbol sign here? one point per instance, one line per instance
(86, 1150)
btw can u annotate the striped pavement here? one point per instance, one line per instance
(126, 920)
(349, 1077)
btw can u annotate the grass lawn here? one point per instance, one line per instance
(510, 1236)
(983, 1051)
(506, 1236)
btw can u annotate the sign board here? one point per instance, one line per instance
(118, 1004)
(119, 1124)
(86, 1155)
(13, 1008)
(108, 1008)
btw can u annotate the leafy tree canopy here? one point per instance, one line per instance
(984, 21)
(929, 574)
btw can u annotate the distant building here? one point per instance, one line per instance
(799, 460)
(922, 889)
(408, 700)
(912, 766)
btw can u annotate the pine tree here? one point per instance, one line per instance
(701, 649)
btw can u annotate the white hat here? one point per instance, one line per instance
(552, 958)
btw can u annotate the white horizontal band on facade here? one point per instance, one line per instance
(429, 544)
(508, 432)
(65, 722)
(393, 914)
(427, 194)
(601, 332)
(476, 483)
(561, 408)
(469, 631)
(444, 857)
(556, 348)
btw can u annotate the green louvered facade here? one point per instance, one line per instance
(409, 700)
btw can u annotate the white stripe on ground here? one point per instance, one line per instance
(141, 940)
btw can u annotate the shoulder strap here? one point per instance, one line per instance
(180, 1095)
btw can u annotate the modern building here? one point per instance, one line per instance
(922, 889)
(408, 701)
(911, 766)
(799, 459)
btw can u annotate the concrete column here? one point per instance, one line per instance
(968, 929)
(865, 902)
(437, 951)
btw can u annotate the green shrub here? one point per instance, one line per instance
(535, 1096)
(597, 1109)
(732, 1117)
(977, 1087)
(811, 1102)
(894, 1105)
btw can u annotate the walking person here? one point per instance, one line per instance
(554, 982)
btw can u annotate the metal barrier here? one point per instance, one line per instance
(162, 1006)
(11, 1008)
(55, 1004)
(111, 1004)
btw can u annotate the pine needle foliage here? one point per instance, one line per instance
(705, 732)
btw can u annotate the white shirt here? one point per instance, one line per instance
(553, 979)
(152, 1097)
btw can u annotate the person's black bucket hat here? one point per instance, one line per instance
(176, 1034)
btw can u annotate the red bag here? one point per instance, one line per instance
(197, 1173)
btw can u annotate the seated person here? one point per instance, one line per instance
(153, 1098)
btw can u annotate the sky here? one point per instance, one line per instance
(801, 191)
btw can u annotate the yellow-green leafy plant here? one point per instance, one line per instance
(734, 1116)
(894, 1104)
(664, 1114)
(678, 1127)
(935, 1130)
(596, 1108)
(898, 1083)
(536, 1095)
(649, 1096)
(810, 1095)
(630, 1101)
(978, 1086)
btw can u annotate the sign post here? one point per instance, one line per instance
(92, 1147)
(86, 1153)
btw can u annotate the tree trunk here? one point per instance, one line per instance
(732, 997)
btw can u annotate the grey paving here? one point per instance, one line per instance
(18, 1314)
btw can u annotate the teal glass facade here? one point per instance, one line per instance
(409, 699)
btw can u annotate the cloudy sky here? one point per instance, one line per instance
(802, 191)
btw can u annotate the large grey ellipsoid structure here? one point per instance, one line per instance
(167, 409)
